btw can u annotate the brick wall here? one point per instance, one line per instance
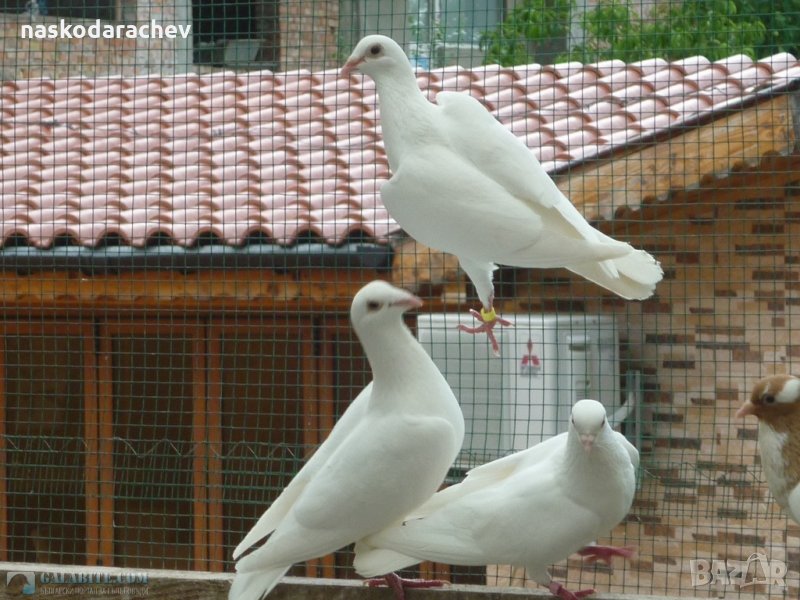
(308, 34)
(725, 315)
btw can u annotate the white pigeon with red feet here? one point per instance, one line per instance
(387, 454)
(530, 509)
(462, 183)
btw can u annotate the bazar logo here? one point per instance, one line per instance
(738, 572)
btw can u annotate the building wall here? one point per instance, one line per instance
(308, 36)
(56, 58)
(723, 317)
(85, 57)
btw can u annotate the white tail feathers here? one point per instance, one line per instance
(637, 274)
(374, 562)
(254, 585)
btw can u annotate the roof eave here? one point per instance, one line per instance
(355, 255)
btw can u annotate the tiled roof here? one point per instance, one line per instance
(270, 157)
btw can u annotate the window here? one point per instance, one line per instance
(236, 33)
(434, 33)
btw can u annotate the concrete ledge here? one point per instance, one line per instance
(189, 585)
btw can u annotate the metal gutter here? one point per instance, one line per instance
(209, 257)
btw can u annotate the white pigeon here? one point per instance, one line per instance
(529, 509)
(389, 452)
(462, 183)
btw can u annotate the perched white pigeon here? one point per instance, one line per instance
(387, 454)
(464, 184)
(529, 509)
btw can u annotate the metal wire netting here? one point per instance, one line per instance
(186, 219)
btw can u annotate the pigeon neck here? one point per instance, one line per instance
(403, 108)
(394, 355)
(577, 458)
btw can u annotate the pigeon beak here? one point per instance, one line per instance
(587, 441)
(748, 408)
(408, 302)
(350, 66)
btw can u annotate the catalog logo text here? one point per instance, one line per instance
(81, 584)
(64, 30)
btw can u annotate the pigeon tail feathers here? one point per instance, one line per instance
(637, 275)
(374, 562)
(254, 585)
(272, 517)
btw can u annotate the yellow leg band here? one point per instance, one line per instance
(488, 316)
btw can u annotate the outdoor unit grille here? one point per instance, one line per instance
(547, 363)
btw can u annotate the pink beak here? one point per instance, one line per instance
(410, 302)
(748, 408)
(350, 66)
(587, 441)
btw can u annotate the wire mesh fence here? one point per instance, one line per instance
(187, 217)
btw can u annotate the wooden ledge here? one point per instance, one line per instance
(189, 585)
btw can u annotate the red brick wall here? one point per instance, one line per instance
(726, 314)
(308, 33)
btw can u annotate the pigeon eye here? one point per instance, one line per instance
(768, 399)
(375, 50)
(373, 305)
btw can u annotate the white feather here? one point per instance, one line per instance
(793, 503)
(464, 184)
(387, 454)
(790, 391)
(530, 509)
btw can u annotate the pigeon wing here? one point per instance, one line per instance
(351, 495)
(484, 143)
(283, 503)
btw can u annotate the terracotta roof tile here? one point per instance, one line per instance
(691, 64)
(565, 69)
(735, 63)
(606, 68)
(631, 93)
(650, 65)
(520, 109)
(754, 76)
(621, 78)
(784, 76)
(289, 155)
(579, 79)
(590, 93)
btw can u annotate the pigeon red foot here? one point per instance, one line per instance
(399, 584)
(489, 320)
(559, 591)
(592, 554)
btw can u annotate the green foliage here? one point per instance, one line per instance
(713, 29)
(782, 21)
(530, 21)
(613, 29)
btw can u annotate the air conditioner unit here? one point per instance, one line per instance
(547, 363)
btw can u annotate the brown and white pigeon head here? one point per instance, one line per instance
(376, 54)
(774, 400)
